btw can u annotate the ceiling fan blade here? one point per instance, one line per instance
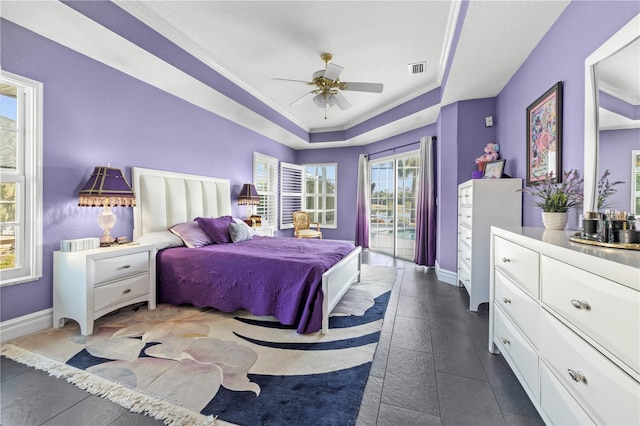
(299, 100)
(333, 71)
(364, 87)
(288, 79)
(341, 101)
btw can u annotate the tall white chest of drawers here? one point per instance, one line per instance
(481, 204)
(566, 317)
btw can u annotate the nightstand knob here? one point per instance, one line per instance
(505, 300)
(126, 291)
(506, 341)
(506, 260)
(127, 266)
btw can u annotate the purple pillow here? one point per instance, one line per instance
(217, 228)
(192, 235)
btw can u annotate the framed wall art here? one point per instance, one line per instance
(544, 137)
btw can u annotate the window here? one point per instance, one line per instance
(320, 196)
(265, 178)
(312, 188)
(291, 192)
(20, 179)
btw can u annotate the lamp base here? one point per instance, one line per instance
(106, 221)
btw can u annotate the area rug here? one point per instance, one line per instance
(190, 366)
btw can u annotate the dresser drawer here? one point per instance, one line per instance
(465, 195)
(606, 311)
(464, 274)
(606, 393)
(120, 291)
(112, 268)
(464, 236)
(465, 214)
(518, 305)
(520, 354)
(520, 264)
(557, 403)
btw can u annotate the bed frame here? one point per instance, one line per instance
(164, 199)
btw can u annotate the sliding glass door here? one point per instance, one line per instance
(394, 196)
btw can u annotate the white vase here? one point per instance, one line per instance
(554, 220)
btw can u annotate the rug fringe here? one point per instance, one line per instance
(132, 400)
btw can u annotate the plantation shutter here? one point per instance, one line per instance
(265, 178)
(291, 192)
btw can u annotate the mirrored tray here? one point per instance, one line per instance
(577, 238)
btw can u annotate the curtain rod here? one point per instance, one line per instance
(392, 149)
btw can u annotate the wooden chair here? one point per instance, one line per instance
(302, 224)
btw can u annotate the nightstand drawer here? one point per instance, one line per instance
(113, 268)
(120, 291)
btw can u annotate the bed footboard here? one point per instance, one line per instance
(337, 280)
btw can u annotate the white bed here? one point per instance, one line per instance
(164, 199)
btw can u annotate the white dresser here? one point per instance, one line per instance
(566, 317)
(88, 284)
(482, 203)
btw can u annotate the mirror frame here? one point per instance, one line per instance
(627, 34)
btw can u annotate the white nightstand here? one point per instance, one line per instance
(91, 283)
(265, 231)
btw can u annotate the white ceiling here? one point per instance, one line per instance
(251, 42)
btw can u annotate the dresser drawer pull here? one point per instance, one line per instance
(468, 216)
(505, 300)
(506, 260)
(580, 304)
(127, 266)
(467, 258)
(126, 291)
(577, 376)
(467, 238)
(506, 341)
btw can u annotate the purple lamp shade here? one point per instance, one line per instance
(248, 195)
(106, 187)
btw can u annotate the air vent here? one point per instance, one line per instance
(417, 68)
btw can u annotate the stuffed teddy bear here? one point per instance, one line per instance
(491, 153)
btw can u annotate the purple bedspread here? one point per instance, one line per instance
(265, 275)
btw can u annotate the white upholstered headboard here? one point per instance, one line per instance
(164, 199)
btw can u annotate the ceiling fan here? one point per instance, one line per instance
(328, 86)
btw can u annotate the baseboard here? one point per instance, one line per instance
(445, 276)
(26, 324)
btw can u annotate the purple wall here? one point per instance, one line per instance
(614, 143)
(559, 56)
(94, 115)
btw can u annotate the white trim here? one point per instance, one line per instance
(29, 171)
(26, 324)
(447, 277)
(620, 39)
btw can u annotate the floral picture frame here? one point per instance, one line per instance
(544, 137)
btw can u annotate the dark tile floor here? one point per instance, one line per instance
(431, 367)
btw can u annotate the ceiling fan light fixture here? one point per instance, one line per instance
(320, 100)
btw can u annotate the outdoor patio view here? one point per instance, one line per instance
(394, 195)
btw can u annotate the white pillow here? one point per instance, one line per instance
(252, 230)
(162, 240)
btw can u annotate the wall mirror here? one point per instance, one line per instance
(612, 116)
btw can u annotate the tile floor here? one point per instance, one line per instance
(431, 367)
